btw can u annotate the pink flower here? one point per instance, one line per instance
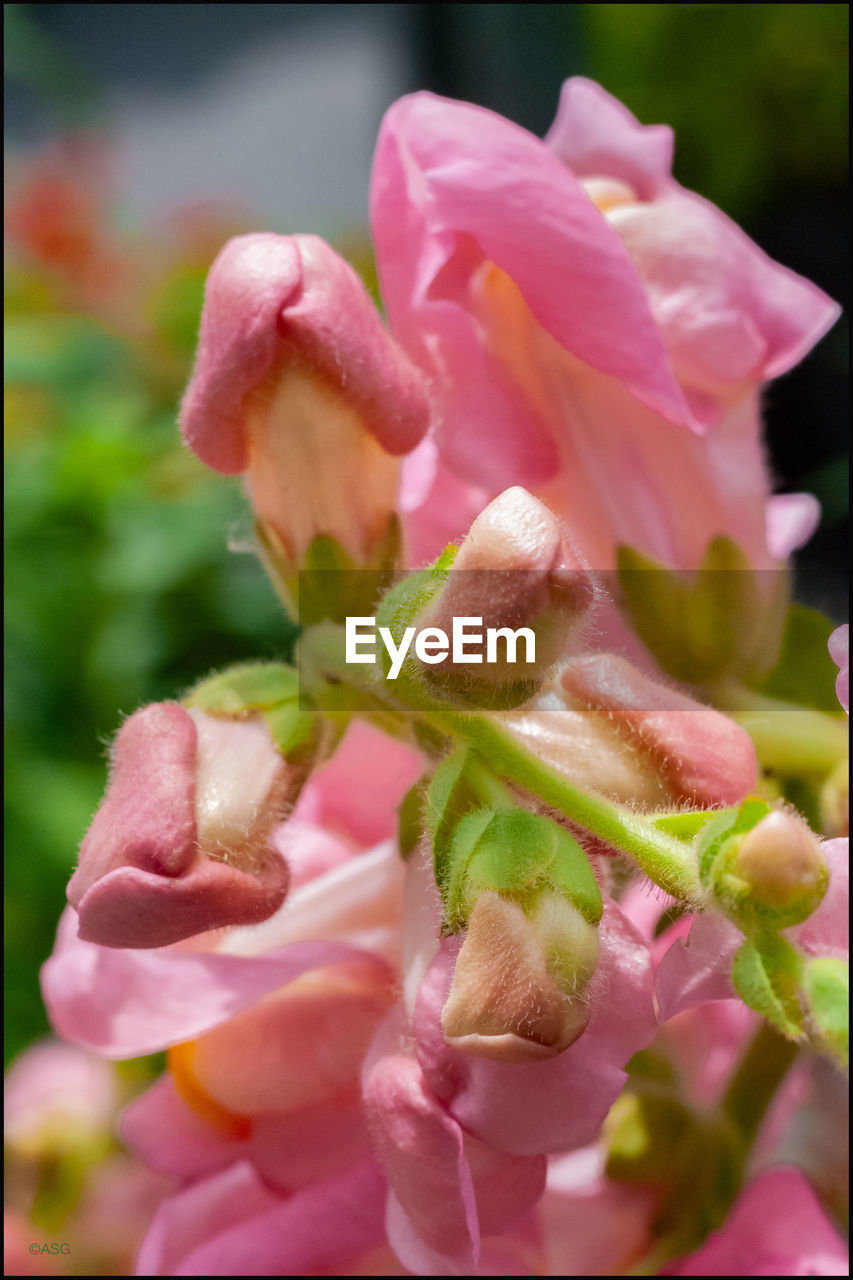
(839, 650)
(180, 843)
(589, 329)
(295, 376)
(776, 1228)
(57, 1098)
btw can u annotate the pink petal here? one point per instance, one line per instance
(451, 173)
(594, 134)
(698, 968)
(776, 1228)
(839, 651)
(421, 1149)
(792, 518)
(171, 1138)
(522, 1108)
(123, 1003)
(276, 299)
(827, 930)
(357, 792)
(231, 1225)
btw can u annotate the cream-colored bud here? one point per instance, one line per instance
(780, 861)
(519, 983)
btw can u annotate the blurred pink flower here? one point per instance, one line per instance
(776, 1228)
(589, 329)
(839, 650)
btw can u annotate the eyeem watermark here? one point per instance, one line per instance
(468, 643)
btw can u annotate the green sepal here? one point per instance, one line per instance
(684, 826)
(331, 587)
(766, 974)
(804, 672)
(270, 689)
(295, 730)
(826, 985)
(252, 686)
(518, 853)
(407, 600)
(450, 796)
(728, 825)
(410, 819)
(712, 623)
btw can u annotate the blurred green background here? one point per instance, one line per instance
(120, 585)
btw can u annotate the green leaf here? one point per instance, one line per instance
(804, 672)
(826, 984)
(766, 973)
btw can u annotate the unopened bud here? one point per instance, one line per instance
(517, 571)
(298, 385)
(780, 861)
(518, 991)
(700, 755)
(180, 844)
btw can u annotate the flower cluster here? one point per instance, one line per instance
(475, 972)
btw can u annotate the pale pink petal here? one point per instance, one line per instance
(839, 651)
(57, 1093)
(451, 173)
(595, 135)
(123, 1003)
(697, 968)
(792, 518)
(827, 930)
(421, 1150)
(776, 1228)
(172, 1138)
(358, 791)
(231, 1225)
(592, 1225)
(523, 1108)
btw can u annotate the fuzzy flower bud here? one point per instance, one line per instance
(516, 570)
(298, 385)
(781, 862)
(180, 844)
(611, 728)
(520, 979)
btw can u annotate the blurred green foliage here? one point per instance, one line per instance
(756, 93)
(120, 588)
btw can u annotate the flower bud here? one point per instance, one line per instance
(298, 385)
(701, 756)
(763, 865)
(180, 844)
(520, 978)
(516, 568)
(781, 861)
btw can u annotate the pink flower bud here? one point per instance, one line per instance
(516, 568)
(298, 384)
(518, 987)
(781, 862)
(701, 756)
(180, 843)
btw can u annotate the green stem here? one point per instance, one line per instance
(761, 1070)
(787, 737)
(664, 859)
